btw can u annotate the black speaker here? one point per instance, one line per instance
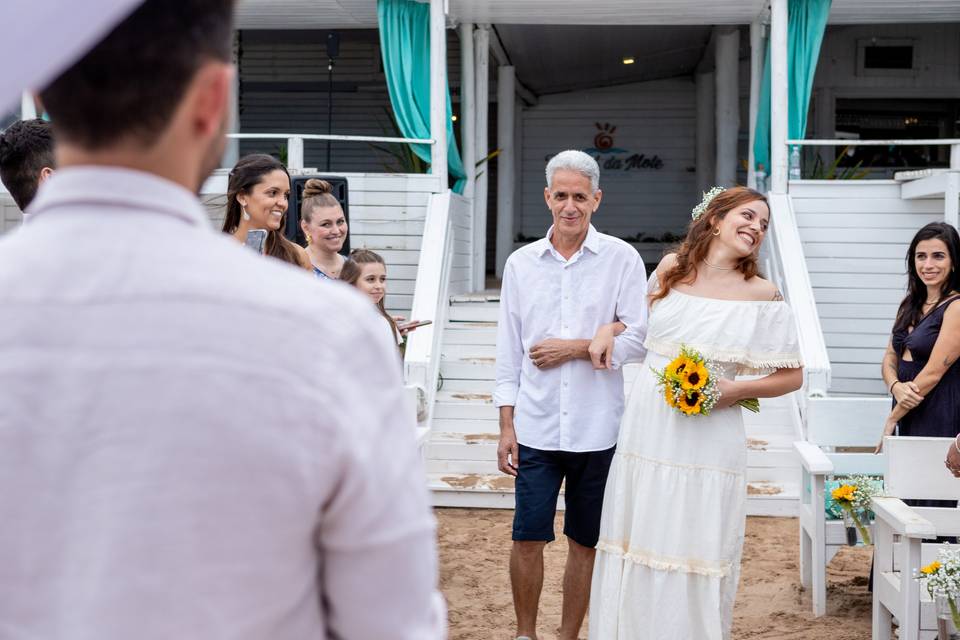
(333, 45)
(293, 232)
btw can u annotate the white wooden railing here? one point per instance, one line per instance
(431, 301)
(787, 267)
(295, 142)
(933, 183)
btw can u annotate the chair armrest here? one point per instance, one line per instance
(902, 519)
(813, 458)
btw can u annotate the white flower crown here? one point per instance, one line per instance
(707, 197)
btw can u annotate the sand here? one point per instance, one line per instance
(475, 544)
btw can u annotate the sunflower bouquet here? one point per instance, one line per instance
(689, 384)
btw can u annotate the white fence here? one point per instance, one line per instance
(855, 237)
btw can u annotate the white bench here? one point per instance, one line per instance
(915, 471)
(832, 423)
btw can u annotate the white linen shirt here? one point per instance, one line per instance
(197, 442)
(572, 407)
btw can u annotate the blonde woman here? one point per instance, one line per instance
(325, 228)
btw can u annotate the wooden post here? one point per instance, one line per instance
(28, 108)
(779, 96)
(231, 152)
(481, 41)
(705, 138)
(468, 134)
(756, 77)
(294, 153)
(506, 108)
(951, 195)
(468, 120)
(728, 104)
(438, 93)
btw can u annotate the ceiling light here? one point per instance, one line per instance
(628, 60)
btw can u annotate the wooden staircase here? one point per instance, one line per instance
(462, 448)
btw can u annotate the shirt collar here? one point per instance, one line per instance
(118, 187)
(591, 242)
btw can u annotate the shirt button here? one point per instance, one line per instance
(564, 413)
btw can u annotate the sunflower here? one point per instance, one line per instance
(844, 492)
(931, 568)
(690, 402)
(668, 395)
(695, 377)
(677, 369)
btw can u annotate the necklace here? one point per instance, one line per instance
(713, 266)
(929, 304)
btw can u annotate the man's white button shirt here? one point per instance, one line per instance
(196, 441)
(572, 407)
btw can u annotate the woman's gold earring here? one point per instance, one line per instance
(307, 237)
(716, 231)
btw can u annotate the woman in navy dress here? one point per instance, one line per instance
(920, 366)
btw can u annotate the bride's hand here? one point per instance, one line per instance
(729, 393)
(601, 347)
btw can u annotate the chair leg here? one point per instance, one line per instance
(882, 620)
(806, 550)
(819, 571)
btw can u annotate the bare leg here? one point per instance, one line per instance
(526, 578)
(576, 588)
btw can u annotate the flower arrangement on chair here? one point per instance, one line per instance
(854, 498)
(942, 578)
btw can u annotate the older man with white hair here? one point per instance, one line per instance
(559, 415)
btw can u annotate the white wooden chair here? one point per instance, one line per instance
(916, 471)
(832, 423)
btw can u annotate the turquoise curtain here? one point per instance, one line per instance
(405, 47)
(807, 22)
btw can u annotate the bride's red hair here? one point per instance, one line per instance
(693, 249)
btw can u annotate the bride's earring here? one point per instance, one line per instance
(246, 216)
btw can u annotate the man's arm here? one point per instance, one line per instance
(632, 312)
(509, 361)
(376, 535)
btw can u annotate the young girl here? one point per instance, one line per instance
(367, 271)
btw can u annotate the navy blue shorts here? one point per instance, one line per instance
(539, 477)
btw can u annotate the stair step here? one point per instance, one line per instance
(492, 295)
(456, 335)
(467, 385)
(451, 351)
(482, 312)
(468, 369)
(466, 410)
(496, 491)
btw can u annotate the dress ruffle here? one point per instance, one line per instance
(758, 337)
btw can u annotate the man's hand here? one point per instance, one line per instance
(508, 451)
(953, 459)
(552, 352)
(907, 394)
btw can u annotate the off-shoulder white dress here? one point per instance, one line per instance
(671, 533)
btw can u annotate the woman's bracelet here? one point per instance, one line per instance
(956, 445)
(892, 385)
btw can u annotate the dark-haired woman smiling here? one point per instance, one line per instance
(920, 365)
(258, 191)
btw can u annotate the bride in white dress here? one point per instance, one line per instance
(672, 528)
